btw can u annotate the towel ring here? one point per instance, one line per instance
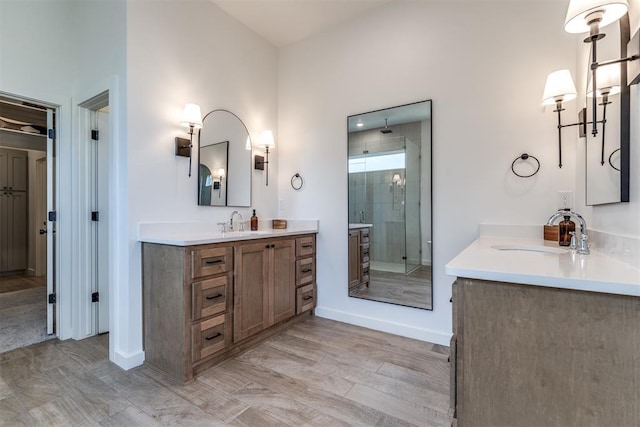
(610, 156)
(297, 182)
(525, 156)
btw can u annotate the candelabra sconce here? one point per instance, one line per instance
(266, 141)
(191, 118)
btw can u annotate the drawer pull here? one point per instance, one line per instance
(307, 245)
(214, 336)
(307, 298)
(216, 261)
(215, 296)
(307, 270)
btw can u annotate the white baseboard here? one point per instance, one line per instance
(128, 361)
(421, 334)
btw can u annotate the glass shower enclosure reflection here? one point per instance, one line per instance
(384, 181)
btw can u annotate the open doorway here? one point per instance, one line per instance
(27, 282)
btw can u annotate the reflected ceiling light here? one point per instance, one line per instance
(191, 118)
(359, 124)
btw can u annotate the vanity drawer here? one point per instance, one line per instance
(305, 246)
(364, 235)
(205, 262)
(365, 272)
(364, 252)
(305, 298)
(210, 297)
(210, 336)
(305, 271)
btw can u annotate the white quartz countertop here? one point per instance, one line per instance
(595, 272)
(355, 225)
(201, 233)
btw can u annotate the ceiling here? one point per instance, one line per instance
(283, 22)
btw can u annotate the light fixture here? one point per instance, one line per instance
(590, 16)
(220, 178)
(247, 144)
(608, 85)
(559, 88)
(191, 118)
(266, 141)
(359, 124)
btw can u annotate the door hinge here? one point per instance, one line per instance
(95, 216)
(95, 135)
(53, 216)
(95, 297)
(52, 134)
(52, 298)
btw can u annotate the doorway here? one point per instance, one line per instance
(27, 273)
(95, 128)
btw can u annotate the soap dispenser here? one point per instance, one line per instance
(254, 221)
(566, 227)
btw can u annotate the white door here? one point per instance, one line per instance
(50, 225)
(100, 223)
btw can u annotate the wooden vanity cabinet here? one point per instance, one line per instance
(204, 303)
(530, 356)
(358, 258)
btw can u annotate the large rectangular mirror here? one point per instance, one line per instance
(390, 209)
(224, 157)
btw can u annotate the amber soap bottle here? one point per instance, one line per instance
(565, 228)
(254, 221)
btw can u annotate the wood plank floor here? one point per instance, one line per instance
(317, 373)
(413, 289)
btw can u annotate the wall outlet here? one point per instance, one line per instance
(565, 199)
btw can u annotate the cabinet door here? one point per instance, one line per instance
(17, 170)
(354, 258)
(4, 221)
(3, 170)
(251, 266)
(17, 231)
(282, 286)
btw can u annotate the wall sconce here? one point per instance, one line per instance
(191, 118)
(590, 16)
(247, 144)
(608, 85)
(220, 178)
(266, 141)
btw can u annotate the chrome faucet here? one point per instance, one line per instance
(240, 227)
(582, 247)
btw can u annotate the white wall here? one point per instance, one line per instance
(179, 52)
(484, 65)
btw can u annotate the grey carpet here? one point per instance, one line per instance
(23, 318)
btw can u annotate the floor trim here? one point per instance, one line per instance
(128, 361)
(421, 334)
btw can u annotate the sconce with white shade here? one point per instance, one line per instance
(191, 118)
(590, 16)
(608, 85)
(221, 175)
(559, 88)
(267, 142)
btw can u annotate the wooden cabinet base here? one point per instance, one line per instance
(538, 356)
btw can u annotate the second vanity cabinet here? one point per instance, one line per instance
(358, 258)
(530, 355)
(205, 303)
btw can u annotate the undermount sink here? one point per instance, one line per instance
(530, 248)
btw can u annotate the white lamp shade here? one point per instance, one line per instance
(247, 145)
(191, 116)
(612, 10)
(221, 172)
(266, 139)
(607, 79)
(559, 86)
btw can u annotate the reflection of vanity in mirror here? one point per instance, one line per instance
(224, 153)
(390, 251)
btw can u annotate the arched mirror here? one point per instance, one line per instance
(224, 156)
(390, 250)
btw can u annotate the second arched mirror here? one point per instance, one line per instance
(224, 153)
